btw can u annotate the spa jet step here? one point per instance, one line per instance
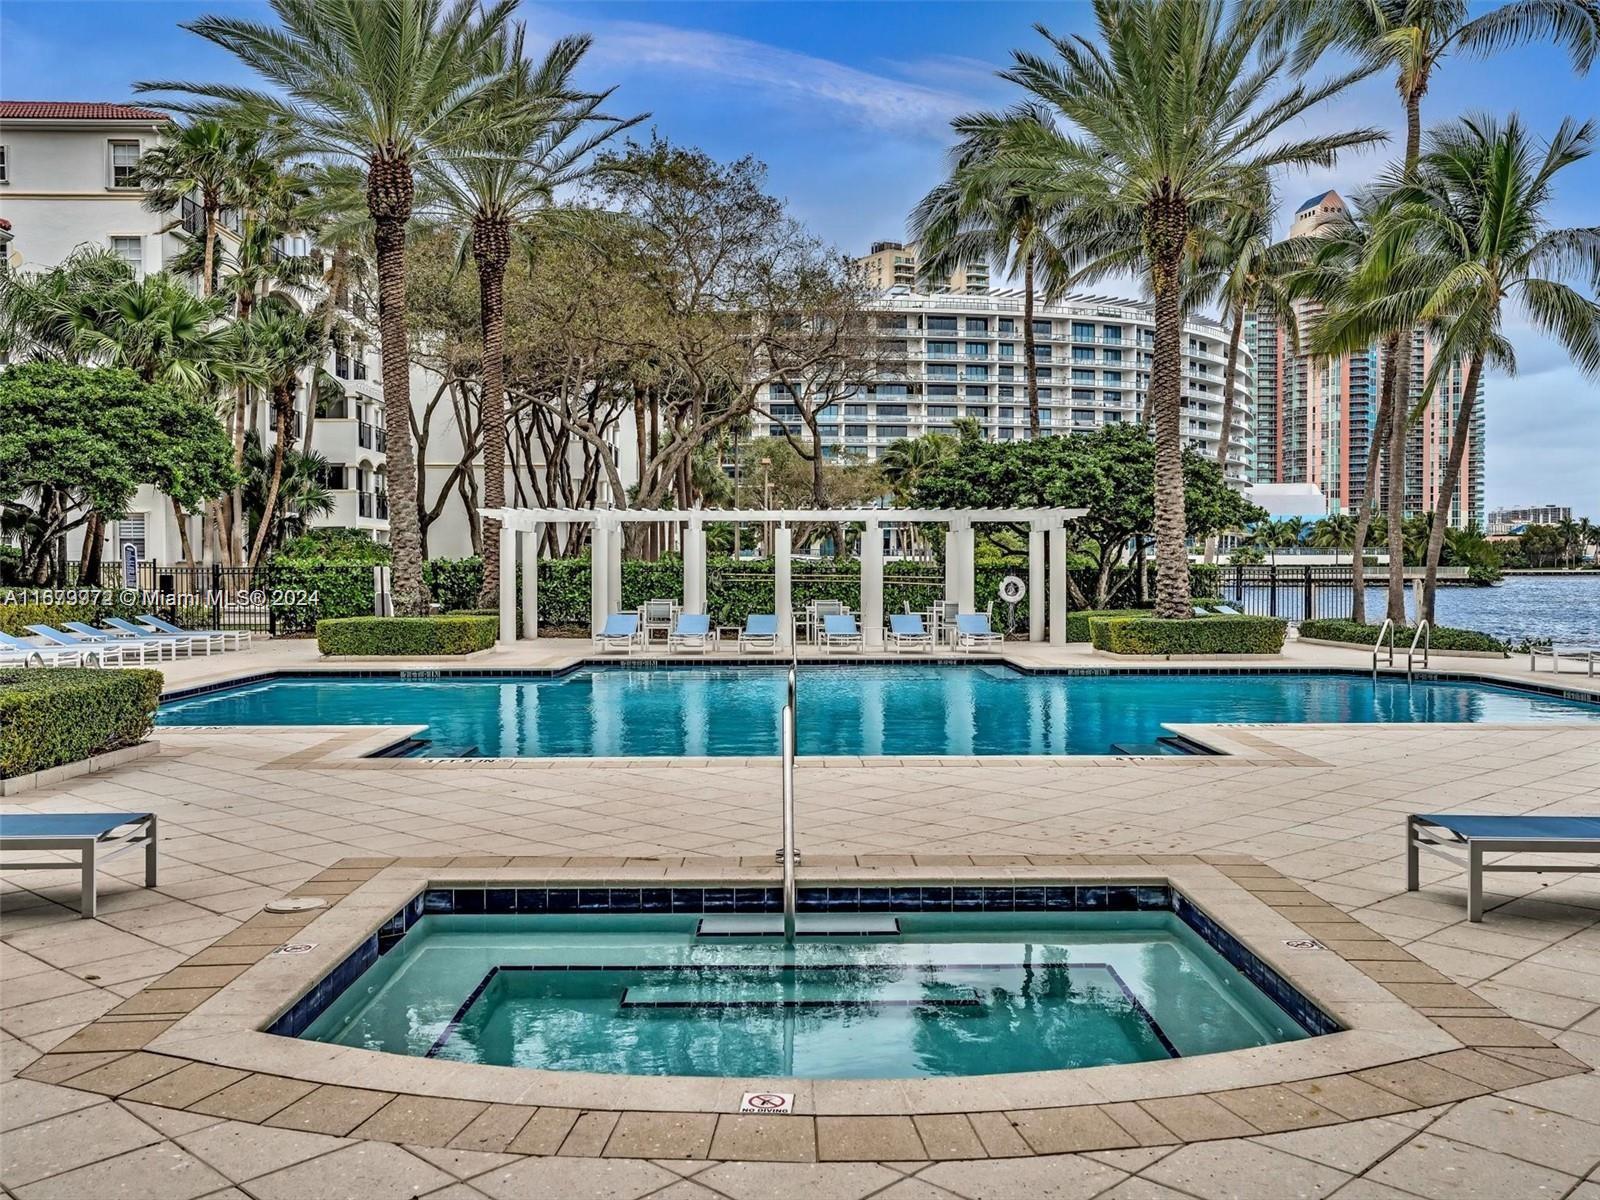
(799, 994)
(757, 925)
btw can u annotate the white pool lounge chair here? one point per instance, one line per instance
(693, 631)
(819, 611)
(1479, 834)
(1227, 610)
(906, 632)
(973, 633)
(109, 650)
(839, 632)
(760, 633)
(160, 641)
(86, 834)
(192, 638)
(1582, 654)
(239, 637)
(17, 652)
(620, 632)
(658, 616)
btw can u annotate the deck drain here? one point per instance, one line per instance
(293, 904)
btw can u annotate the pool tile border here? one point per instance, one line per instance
(124, 1054)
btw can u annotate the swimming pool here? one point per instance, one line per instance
(732, 711)
(950, 993)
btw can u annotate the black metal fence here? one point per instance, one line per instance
(261, 599)
(1293, 592)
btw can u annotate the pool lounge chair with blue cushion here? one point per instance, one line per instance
(840, 633)
(760, 632)
(692, 632)
(89, 835)
(1227, 610)
(906, 632)
(159, 642)
(973, 633)
(107, 649)
(620, 632)
(190, 638)
(239, 637)
(1476, 834)
(16, 652)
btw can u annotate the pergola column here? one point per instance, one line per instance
(599, 574)
(508, 584)
(694, 566)
(1058, 584)
(530, 582)
(614, 540)
(1036, 596)
(872, 582)
(961, 551)
(782, 602)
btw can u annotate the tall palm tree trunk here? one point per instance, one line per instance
(1369, 497)
(390, 189)
(1166, 230)
(1230, 372)
(1459, 437)
(491, 250)
(1397, 476)
(1030, 352)
(283, 432)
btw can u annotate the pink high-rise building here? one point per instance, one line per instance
(1315, 419)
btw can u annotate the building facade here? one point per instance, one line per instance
(895, 265)
(940, 357)
(1315, 420)
(1505, 520)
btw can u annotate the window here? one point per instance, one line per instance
(946, 412)
(130, 532)
(5, 165)
(1113, 356)
(855, 431)
(977, 350)
(131, 251)
(1082, 354)
(1083, 395)
(1042, 353)
(1042, 374)
(855, 410)
(977, 392)
(1007, 350)
(124, 164)
(941, 349)
(941, 324)
(941, 371)
(891, 431)
(1007, 325)
(1007, 372)
(978, 412)
(1007, 414)
(1109, 377)
(977, 325)
(891, 410)
(1041, 329)
(1083, 416)
(941, 391)
(1082, 331)
(975, 371)
(1081, 376)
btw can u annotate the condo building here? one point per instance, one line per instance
(1314, 420)
(895, 265)
(1506, 520)
(939, 357)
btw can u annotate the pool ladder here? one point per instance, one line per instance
(1423, 637)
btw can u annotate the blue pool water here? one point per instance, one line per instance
(647, 712)
(955, 994)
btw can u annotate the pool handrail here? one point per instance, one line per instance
(1386, 628)
(786, 852)
(1425, 635)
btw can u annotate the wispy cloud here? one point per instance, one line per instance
(846, 93)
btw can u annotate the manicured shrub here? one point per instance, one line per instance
(58, 715)
(1196, 635)
(1441, 637)
(372, 636)
(1078, 622)
(454, 582)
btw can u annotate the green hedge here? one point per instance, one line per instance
(65, 714)
(406, 635)
(1441, 637)
(1194, 635)
(1078, 622)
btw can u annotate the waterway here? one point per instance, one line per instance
(1565, 609)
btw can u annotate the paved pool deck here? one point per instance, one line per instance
(249, 816)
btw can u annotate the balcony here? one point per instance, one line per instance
(372, 437)
(374, 505)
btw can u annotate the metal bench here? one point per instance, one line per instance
(95, 837)
(1449, 834)
(1588, 655)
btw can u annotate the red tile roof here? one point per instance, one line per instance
(73, 110)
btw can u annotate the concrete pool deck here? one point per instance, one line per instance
(245, 824)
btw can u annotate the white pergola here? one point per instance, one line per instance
(521, 529)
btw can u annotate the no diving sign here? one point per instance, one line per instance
(774, 1104)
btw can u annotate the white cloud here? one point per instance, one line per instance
(861, 97)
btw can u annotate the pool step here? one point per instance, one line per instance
(1161, 746)
(752, 925)
(797, 994)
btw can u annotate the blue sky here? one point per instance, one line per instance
(848, 104)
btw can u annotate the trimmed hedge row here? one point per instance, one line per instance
(66, 714)
(1441, 637)
(374, 636)
(1078, 622)
(1193, 635)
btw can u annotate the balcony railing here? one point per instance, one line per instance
(372, 437)
(373, 504)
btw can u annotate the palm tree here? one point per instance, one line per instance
(208, 159)
(1172, 122)
(301, 494)
(497, 186)
(979, 215)
(1334, 532)
(384, 85)
(283, 342)
(905, 462)
(1474, 215)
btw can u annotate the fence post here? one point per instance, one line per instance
(216, 595)
(1272, 590)
(1307, 614)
